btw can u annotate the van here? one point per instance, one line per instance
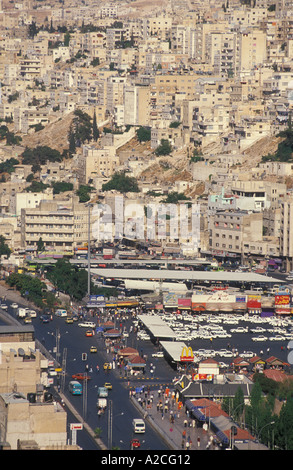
(102, 392)
(60, 312)
(138, 426)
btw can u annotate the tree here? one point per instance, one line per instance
(96, 132)
(61, 187)
(83, 192)
(143, 134)
(121, 183)
(165, 148)
(4, 248)
(40, 245)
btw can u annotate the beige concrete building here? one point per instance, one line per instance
(93, 162)
(28, 416)
(62, 224)
(235, 231)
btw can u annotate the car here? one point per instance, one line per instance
(89, 333)
(52, 372)
(69, 320)
(107, 366)
(32, 313)
(45, 318)
(27, 319)
(4, 306)
(14, 305)
(87, 324)
(158, 354)
(108, 385)
(134, 444)
(60, 312)
(93, 349)
(81, 376)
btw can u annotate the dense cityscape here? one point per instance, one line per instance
(146, 230)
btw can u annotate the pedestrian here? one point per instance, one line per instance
(198, 442)
(187, 445)
(98, 368)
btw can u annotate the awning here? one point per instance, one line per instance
(222, 437)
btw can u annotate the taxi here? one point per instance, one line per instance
(93, 349)
(89, 333)
(108, 385)
(107, 366)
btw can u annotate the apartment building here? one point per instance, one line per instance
(96, 162)
(286, 232)
(28, 117)
(28, 416)
(236, 231)
(62, 225)
(258, 195)
(137, 105)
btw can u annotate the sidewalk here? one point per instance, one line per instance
(171, 423)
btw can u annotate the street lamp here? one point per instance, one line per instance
(268, 424)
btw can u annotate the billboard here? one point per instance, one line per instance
(282, 300)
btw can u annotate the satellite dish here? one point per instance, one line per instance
(21, 352)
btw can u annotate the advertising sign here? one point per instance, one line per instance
(282, 300)
(187, 355)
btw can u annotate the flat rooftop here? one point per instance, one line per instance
(217, 276)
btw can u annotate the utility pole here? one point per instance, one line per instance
(89, 253)
(63, 373)
(110, 424)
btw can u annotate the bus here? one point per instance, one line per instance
(75, 387)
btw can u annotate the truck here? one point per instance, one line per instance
(101, 403)
(22, 312)
(102, 392)
(138, 425)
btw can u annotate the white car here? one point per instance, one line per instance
(3, 306)
(260, 338)
(87, 324)
(52, 372)
(14, 305)
(158, 354)
(32, 313)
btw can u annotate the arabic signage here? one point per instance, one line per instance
(282, 300)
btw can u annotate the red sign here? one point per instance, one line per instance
(282, 299)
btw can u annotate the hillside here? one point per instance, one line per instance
(54, 135)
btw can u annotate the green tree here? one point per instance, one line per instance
(40, 245)
(61, 187)
(83, 192)
(96, 132)
(122, 183)
(165, 148)
(143, 134)
(4, 248)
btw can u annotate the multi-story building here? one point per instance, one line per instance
(62, 225)
(28, 416)
(96, 162)
(286, 232)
